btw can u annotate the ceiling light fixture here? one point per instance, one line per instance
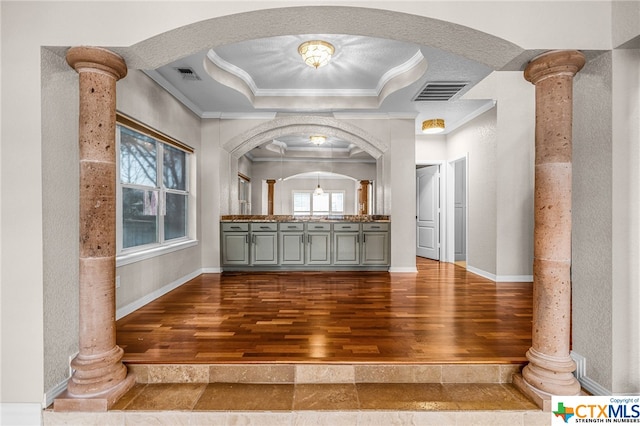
(435, 125)
(317, 139)
(316, 53)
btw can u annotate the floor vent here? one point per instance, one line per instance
(441, 91)
(188, 73)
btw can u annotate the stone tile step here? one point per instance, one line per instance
(324, 373)
(315, 404)
(301, 418)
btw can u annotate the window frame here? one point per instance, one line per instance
(310, 194)
(162, 245)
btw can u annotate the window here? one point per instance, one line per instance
(153, 188)
(244, 194)
(306, 203)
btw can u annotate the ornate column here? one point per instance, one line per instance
(363, 203)
(270, 194)
(550, 364)
(99, 378)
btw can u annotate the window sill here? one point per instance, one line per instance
(138, 256)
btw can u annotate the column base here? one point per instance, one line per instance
(540, 398)
(99, 402)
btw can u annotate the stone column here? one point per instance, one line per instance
(270, 193)
(363, 204)
(550, 364)
(99, 378)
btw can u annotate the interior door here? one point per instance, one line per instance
(428, 212)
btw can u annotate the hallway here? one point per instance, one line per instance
(443, 314)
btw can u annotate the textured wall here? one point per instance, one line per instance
(140, 98)
(478, 138)
(209, 194)
(60, 225)
(625, 335)
(591, 215)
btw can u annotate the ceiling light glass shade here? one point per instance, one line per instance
(316, 53)
(318, 139)
(318, 191)
(435, 125)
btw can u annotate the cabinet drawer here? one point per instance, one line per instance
(318, 227)
(234, 227)
(292, 227)
(375, 226)
(346, 227)
(259, 227)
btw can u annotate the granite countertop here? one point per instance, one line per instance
(288, 218)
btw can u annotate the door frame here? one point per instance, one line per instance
(444, 208)
(450, 207)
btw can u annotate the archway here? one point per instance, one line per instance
(329, 126)
(168, 46)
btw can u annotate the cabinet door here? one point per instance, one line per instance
(265, 248)
(375, 248)
(235, 248)
(319, 248)
(291, 248)
(346, 248)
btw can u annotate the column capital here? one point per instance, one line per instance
(271, 181)
(555, 62)
(86, 58)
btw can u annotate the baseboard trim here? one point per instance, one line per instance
(581, 374)
(133, 306)
(403, 270)
(211, 270)
(500, 278)
(20, 414)
(54, 392)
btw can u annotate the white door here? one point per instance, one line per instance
(428, 212)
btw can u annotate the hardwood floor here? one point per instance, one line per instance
(443, 314)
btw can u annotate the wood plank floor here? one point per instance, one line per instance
(442, 314)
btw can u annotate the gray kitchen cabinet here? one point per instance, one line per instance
(235, 244)
(291, 243)
(375, 244)
(305, 245)
(346, 244)
(318, 244)
(264, 244)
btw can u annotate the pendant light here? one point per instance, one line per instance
(318, 191)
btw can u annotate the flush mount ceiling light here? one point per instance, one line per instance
(316, 53)
(435, 125)
(318, 139)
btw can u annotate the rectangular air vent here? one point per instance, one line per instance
(187, 73)
(441, 91)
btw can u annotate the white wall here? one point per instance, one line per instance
(625, 334)
(402, 182)
(211, 186)
(591, 216)
(478, 139)
(431, 149)
(60, 227)
(139, 97)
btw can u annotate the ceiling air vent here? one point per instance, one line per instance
(188, 73)
(442, 91)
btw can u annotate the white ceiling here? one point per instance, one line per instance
(366, 77)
